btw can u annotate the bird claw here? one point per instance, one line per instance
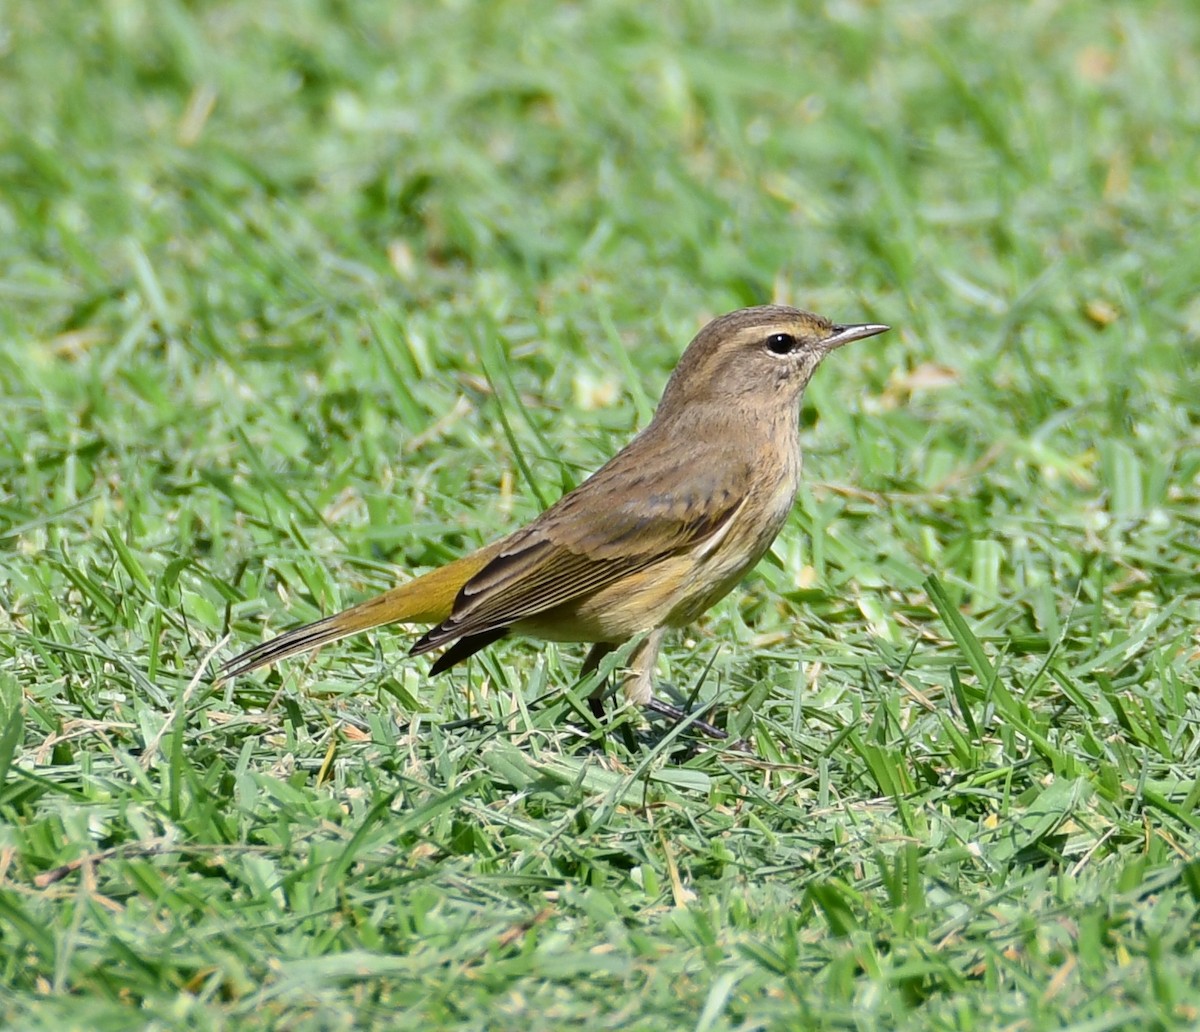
(665, 709)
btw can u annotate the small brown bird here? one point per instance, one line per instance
(652, 539)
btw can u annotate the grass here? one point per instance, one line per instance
(295, 297)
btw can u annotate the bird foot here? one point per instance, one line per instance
(665, 709)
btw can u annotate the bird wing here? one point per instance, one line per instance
(624, 519)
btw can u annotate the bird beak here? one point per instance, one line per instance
(845, 334)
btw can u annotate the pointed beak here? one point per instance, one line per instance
(845, 334)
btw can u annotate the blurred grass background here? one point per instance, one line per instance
(272, 279)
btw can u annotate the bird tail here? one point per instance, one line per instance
(425, 599)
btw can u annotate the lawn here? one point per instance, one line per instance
(297, 299)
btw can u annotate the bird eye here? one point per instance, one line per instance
(781, 344)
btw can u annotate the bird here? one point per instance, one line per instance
(647, 543)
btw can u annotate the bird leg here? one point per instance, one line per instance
(595, 654)
(638, 681)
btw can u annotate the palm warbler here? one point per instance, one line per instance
(651, 540)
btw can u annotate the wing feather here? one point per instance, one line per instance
(537, 571)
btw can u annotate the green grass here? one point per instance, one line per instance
(296, 297)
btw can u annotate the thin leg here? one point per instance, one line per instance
(638, 681)
(596, 653)
(639, 684)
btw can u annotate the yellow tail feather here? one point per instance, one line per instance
(425, 599)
